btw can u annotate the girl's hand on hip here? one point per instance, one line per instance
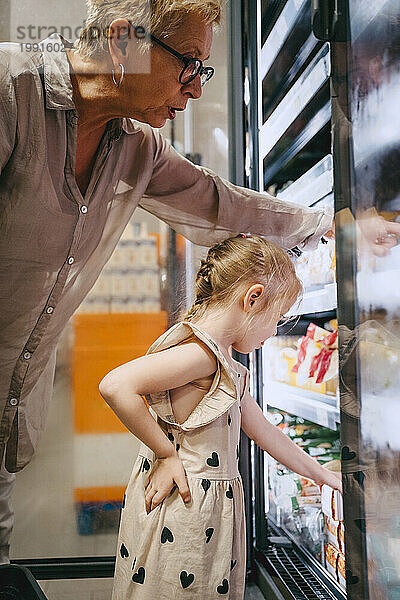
(167, 473)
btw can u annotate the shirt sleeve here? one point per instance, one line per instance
(8, 112)
(206, 209)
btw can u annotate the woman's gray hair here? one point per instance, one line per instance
(161, 17)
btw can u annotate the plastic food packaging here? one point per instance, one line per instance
(332, 503)
(317, 357)
(335, 564)
(335, 533)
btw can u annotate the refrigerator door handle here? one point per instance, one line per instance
(324, 16)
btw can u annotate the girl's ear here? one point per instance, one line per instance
(252, 296)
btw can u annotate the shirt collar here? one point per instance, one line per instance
(58, 86)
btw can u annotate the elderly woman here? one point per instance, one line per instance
(78, 154)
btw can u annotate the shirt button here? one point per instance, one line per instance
(13, 401)
(84, 209)
(49, 310)
(27, 355)
(71, 260)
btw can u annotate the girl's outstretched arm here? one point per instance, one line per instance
(123, 389)
(271, 439)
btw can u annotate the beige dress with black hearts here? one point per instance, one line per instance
(195, 551)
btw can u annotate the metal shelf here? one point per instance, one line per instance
(278, 35)
(314, 185)
(274, 88)
(300, 94)
(313, 127)
(316, 301)
(318, 408)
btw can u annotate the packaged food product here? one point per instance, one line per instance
(335, 533)
(309, 488)
(335, 564)
(317, 357)
(332, 503)
(309, 501)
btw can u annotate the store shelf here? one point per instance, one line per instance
(311, 129)
(314, 185)
(308, 84)
(318, 408)
(278, 35)
(318, 300)
(282, 75)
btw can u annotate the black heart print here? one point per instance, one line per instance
(213, 461)
(139, 576)
(209, 533)
(359, 476)
(146, 465)
(360, 523)
(205, 484)
(123, 501)
(224, 587)
(229, 419)
(170, 436)
(124, 551)
(134, 563)
(229, 492)
(177, 447)
(186, 579)
(233, 563)
(166, 535)
(347, 454)
(350, 578)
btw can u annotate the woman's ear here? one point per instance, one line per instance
(252, 296)
(119, 34)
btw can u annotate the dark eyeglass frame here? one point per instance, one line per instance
(198, 69)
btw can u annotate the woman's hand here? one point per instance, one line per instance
(334, 480)
(167, 473)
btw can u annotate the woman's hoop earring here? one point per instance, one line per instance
(122, 75)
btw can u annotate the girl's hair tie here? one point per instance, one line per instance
(244, 235)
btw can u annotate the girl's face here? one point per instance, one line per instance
(261, 328)
(263, 324)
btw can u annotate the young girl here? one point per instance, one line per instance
(182, 532)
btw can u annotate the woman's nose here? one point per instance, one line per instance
(194, 88)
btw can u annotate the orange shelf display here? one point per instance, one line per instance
(101, 343)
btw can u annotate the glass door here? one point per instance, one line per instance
(365, 84)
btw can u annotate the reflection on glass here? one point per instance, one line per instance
(374, 79)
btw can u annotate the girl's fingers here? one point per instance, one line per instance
(183, 487)
(157, 499)
(148, 499)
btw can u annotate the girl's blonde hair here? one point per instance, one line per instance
(161, 17)
(233, 265)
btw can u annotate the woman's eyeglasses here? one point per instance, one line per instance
(192, 66)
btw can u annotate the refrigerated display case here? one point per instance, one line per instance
(323, 128)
